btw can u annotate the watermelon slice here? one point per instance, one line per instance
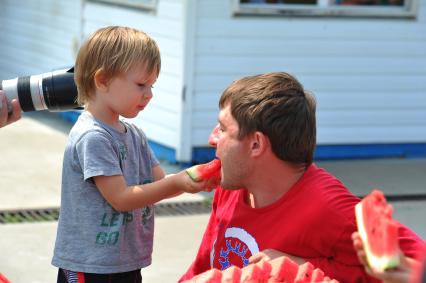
(211, 276)
(304, 274)
(231, 275)
(204, 171)
(317, 275)
(251, 273)
(266, 268)
(283, 270)
(378, 231)
(3, 279)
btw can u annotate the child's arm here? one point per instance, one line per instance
(159, 174)
(123, 198)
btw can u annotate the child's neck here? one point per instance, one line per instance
(106, 116)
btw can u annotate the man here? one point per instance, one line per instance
(5, 118)
(273, 200)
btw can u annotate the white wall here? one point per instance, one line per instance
(37, 36)
(369, 75)
(161, 119)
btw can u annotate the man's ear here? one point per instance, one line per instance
(101, 80)
(259, 143)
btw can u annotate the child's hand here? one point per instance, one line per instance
(188, 185)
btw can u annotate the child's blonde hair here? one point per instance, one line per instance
(113, 50)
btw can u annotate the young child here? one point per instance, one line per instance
(110, 176)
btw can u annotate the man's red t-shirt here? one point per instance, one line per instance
(313, 220)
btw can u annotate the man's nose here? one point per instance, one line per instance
(214, 136)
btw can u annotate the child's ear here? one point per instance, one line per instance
(101, 80)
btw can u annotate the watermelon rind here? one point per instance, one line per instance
(377, 263)
(192, 173)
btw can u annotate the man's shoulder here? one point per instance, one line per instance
(328, 191)
(320, 180)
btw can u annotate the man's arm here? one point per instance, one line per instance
(330, 267)
(342, 266)
(410, 243)
(404, 273)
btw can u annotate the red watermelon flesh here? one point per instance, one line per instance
(317, 275)
(251, 273)
(3, 279)
(378, 231)
(304, 274)
(283, 270)
(231, 275)
(266, 268)
(211, 276)
(204, 171)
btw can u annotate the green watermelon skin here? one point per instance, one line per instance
(378, 231)
(205, 171)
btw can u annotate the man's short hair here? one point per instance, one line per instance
(276, 105)
(113, 50)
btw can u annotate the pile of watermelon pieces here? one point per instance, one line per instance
(281, 269)
(3, 279)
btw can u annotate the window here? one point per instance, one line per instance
(362, 8)
(140, 4)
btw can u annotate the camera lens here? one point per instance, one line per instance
(53, 91)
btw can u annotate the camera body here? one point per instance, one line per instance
(52, 91)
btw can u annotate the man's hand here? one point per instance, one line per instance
(270, 254)
(402, 274)
(5, 118)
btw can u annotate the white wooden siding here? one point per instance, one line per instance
(368, 75)
(161, 119)
(37, 36)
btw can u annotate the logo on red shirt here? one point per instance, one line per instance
(235, 248)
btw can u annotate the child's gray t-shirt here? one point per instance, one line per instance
(92, 237)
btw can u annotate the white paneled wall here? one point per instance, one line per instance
(368, 75)
(38, 36)
(161, 119)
